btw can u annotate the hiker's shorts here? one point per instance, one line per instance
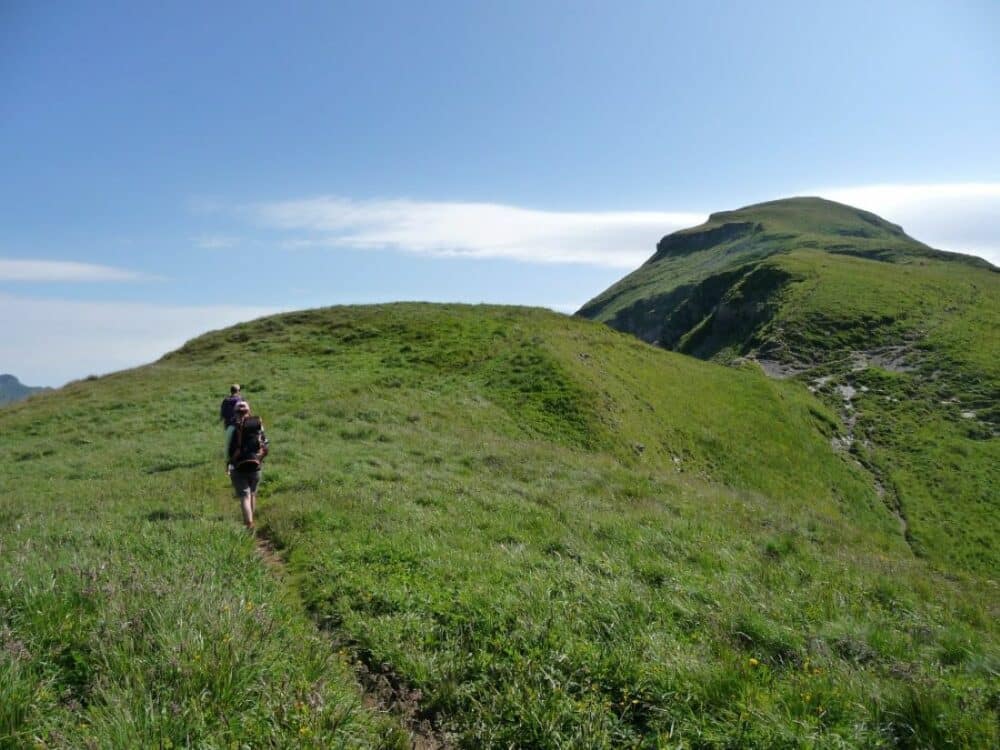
(244, 484)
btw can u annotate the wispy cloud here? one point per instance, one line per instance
(84, 338)
(65, 271)
(619, 239)
(962, 217)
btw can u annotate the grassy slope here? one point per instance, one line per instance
(561, 536)
(838, 282)
(943, 466)
(133, 611)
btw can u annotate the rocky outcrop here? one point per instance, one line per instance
(691, 241)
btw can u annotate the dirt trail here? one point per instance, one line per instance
(381, 689)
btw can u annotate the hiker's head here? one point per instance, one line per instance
(242, 410)
(234, 389)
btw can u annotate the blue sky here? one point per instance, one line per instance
(174, 167)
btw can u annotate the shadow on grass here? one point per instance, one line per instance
(172, 466)
(170, 515)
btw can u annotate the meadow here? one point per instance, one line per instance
(553, 534)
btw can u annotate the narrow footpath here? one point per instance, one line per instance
(381, 690)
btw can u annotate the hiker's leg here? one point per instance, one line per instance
(241, 487)
(254, 481)
(246, 505)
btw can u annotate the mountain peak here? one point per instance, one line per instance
(815, 214)
(758, 250)
(804, 221)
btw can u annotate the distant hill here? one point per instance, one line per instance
(900, 338)
(532, 530)
(11, 389)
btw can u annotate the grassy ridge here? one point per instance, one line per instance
(562, 537)
(841, 302)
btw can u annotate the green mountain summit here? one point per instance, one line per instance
(693, 269)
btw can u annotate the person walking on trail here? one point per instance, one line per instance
(246, 447)
(227, 412)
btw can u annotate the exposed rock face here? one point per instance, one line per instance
(732, 308)
(702, 318)
(691, 241)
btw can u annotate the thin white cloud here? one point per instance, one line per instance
(58, 270)
(963, 217)
(93, 338)
(618, 239)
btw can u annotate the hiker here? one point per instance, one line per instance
(246, 447)
(227, 412)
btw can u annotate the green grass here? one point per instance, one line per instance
(943, 467)
(561, 536)
(814, 286)
(690, 256)
(134, 611)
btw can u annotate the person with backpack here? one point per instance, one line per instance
(246, 447)
(227, 412)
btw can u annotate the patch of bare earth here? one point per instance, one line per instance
(381, 689)
(889, 358)
(776, 369)
(384, 691)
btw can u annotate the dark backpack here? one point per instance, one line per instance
(228, 410)
(249, 445)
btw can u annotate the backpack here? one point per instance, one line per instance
(228, 409)
(249, 445)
